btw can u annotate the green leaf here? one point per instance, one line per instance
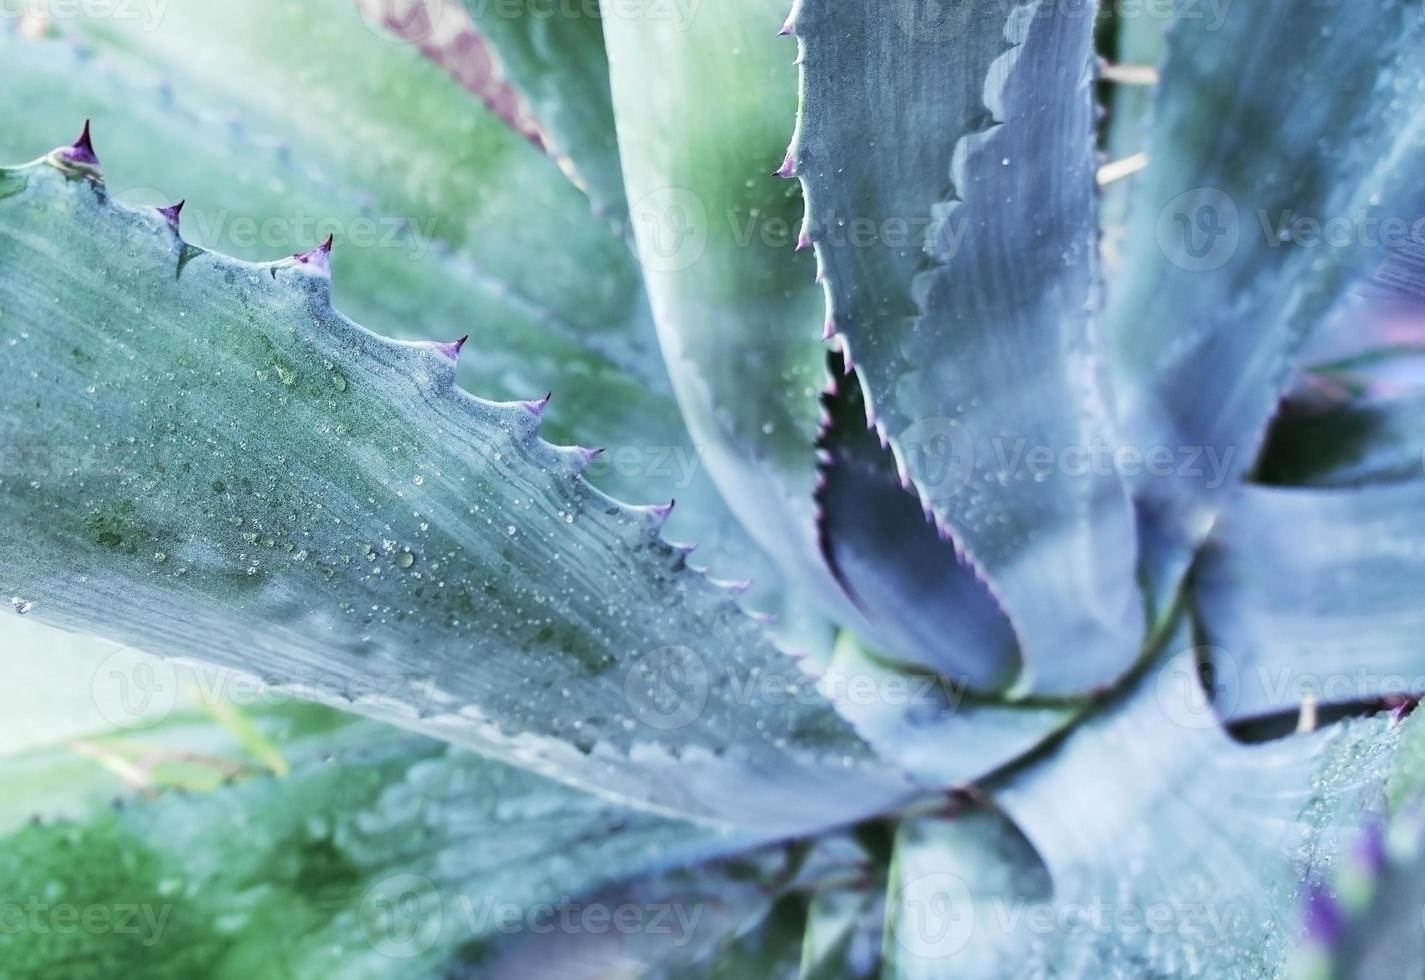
(553, 54)
(1314, 592)
(248, 477)
(276, 182)
(949, 170)
(388, 861)
(738, 313)
(1211, 306)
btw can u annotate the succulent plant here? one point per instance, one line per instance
(1038, 381)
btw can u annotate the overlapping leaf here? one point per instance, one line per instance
(244, 475)
(949, 166)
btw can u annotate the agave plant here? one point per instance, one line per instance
(1039, 383)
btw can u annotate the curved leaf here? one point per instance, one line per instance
(951, 204)
(387, 861)
(931, 727)
(553, 53)
(738, 314)
(960, 885)
(276, 183)
(1220, 286)
(1187, 853)
(925, 607)
(246, 476)
(1314, 592)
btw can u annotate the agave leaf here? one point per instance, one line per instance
(738, 313)
(952, 208)
(388, 861)
(926, 608)
(1188, 853)
(957, 881)
(933, 728)
(731, 918)
(1314, 592)
(553, 54)
(843, 933)
(248, 477)
(576, 335)
(1215, 298)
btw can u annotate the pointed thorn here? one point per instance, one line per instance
(83, 149)
(787, 29)
(803, 242)
(452, 349)
(537, 407)
(788, 167)
(318, 258)
(660, 512)
(589, 455)
(829, 330)
(172, 212)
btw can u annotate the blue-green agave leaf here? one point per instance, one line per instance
(400, 858)
(223, 467)
(1220, 284)
(1306, 592)
(933, 727)
(951, 204)
(277, 182)
(738, 313)
(1187, 854)
(739, 917)
(926, 607)
(959, 883)
(843, 933)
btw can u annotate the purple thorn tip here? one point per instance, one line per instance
(537, 407)
(829, 330)
(787, 29)
(452, 349)
(172, 212)
(589, 455)
(803, 242)
(83, 149)
(788, 167)
(318, 258)
(661, 511)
